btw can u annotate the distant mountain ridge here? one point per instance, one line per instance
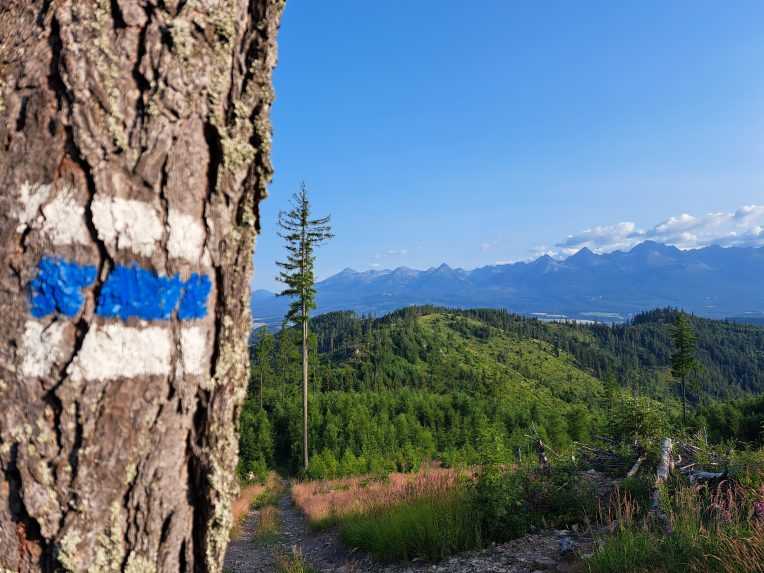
(714, 282)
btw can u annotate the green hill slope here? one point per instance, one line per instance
(636, 355)
(466, 385)
(426, 383)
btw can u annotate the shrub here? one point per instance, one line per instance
(511, 501)
(500, 499)
(639, 488)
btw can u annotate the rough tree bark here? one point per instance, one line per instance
(134, 150)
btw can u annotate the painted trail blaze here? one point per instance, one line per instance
(129, 292)
(58, 287)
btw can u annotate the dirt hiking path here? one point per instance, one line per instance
(324, 551)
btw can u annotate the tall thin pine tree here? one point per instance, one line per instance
(301, 234)
(683, 359)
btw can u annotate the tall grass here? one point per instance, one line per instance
(430, 527)
(427, 515)
(292, 562)
(274, 487)
(241, 506)
(267, 524)
(253, 496)
(712, 530)
(328, 502)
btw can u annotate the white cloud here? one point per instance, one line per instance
(742, 228)
(392, 253)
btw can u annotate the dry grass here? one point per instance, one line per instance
(248, 496)
(292, 562)
(267, 523)
(241, 505)
(713, 530)
(323, 502)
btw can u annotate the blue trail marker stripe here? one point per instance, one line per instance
(140, 293)
(195, 294)
(136, 292)
(58, 287)
(129, 291)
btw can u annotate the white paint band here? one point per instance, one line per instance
(30, 198)
(117, 351)
(194, 349)
(65, 221)
(186, 237)
(127, 224)
(123, 224)
(41, 347)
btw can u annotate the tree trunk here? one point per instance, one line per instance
(684, 404)
(305, 390)
(661, 476)
(134, 150)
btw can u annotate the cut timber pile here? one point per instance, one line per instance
(690, 466)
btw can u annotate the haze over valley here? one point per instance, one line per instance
(713, 281)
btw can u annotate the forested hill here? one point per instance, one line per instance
(425, 382)
(415, 385)
(635, 355)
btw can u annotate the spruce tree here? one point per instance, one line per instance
(302, 235)
(683, 359)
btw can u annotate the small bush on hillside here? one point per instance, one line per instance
(510, 502)
(500, 499)
(638, 418)
(639, 488)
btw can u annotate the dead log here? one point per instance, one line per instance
(703, 476)
(640, 458)
(662, 475)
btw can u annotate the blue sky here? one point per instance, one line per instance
(475, 132)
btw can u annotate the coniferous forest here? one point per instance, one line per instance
(458, 386)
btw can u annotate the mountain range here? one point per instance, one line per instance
(715, 282)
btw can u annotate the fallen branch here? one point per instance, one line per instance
(635, 468)
(701, 476)
(640, 451)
